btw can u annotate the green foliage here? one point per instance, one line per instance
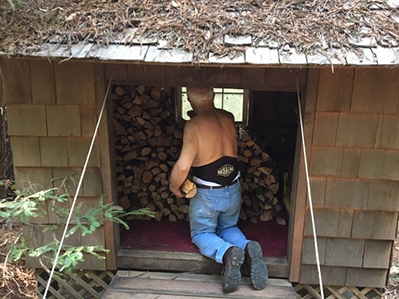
(12, 4)
(18, 250)
(25, 206)
(70, 256)
(89, 220)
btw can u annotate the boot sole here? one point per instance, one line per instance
(232, 271)
(259, 272)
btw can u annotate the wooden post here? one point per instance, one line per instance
(297, 221)
(107, 164)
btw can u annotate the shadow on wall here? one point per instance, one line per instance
(6, 166)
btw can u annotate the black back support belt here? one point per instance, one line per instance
(223, 171)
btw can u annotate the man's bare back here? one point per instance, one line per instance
(216, 136)
(207, 137)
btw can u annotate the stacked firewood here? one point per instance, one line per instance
(259, 182)
(148, 142)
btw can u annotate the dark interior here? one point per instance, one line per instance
(273, 119)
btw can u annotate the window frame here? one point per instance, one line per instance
(245, 105)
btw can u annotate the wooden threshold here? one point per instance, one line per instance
(164, 285)
(188, 262)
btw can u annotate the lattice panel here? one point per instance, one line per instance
(92, 284)
(306, 291)
(84, 284)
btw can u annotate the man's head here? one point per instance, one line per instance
(199, 96)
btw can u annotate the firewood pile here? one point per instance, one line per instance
(259, 182)
(148, 142)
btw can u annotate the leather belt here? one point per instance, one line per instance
(216, 187)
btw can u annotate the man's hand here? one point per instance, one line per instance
(183, 164)
(177, 193)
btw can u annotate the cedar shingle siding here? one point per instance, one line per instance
(51, 113)
(355, 177)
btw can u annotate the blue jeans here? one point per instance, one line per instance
(213, 220)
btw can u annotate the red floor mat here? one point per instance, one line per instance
(175, 236)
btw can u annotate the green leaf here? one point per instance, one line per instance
(108, 215)
(17, 251)
(85, 231)
(120, 221)
(73, 230)
(50, 247)
(51, 227)
(11, 3)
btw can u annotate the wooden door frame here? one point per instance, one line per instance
(107, 164)
(296, 229)
(299, 189)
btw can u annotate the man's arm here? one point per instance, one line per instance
(187, 156)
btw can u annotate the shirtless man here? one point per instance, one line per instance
(210, 152)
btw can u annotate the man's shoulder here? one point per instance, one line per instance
(226, 113)
(194, 123)
(210, 118)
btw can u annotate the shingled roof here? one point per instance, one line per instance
(257, 32)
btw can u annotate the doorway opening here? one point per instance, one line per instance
(148, 129)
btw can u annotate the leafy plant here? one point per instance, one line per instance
(12, 4)
(25, 206)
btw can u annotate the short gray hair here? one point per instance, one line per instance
(200, 94)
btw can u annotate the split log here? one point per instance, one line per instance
(119, 91)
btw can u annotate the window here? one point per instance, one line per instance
(230, 99)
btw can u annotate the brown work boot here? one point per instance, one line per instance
(231, 275)
(254, 258)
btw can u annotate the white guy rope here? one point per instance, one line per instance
(308, 187)
(77, 189)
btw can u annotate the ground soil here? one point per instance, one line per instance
(17, 282)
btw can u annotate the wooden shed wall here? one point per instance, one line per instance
(52, 112)
(354, 171)
(52, 109)
(353, 115)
